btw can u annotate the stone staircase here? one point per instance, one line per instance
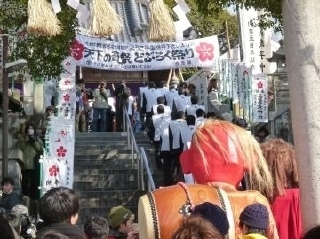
(105, 174)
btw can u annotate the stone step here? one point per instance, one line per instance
(92, 163)
(101, 205)
(105, 174)
(105, 171)
(101, 143)
(98, 150)
(94, 155)
(106, 186)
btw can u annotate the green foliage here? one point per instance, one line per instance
(188, 72)
(272, 9)
(211, 21)
(44, 54)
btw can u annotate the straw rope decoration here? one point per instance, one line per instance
(161, 27)
(41, 19)
(104, 19)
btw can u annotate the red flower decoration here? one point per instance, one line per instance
(260, 85)
(205, 51)
(66, 97)
(67, 82)
(77, 50)
(61, 152)
(54, 170)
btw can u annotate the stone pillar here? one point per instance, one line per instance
(28, 95)
(38, 96)
(14, 153)
(303, 60)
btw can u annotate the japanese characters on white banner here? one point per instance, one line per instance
(100, 53)
(201, 84)
(238, 83)
(253, 41)
(260, 98)
(58, 157)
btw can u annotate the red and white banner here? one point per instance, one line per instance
(259, 98)
(103, 54)
(58, 158)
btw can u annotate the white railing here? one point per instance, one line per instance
(142, 160)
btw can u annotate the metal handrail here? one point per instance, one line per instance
(142, 157)
(145, 164)
(281, 114)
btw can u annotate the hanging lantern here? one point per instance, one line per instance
(161, 27)
(41, 19)
(104, 19)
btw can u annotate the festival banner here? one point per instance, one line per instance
(235, 82)
(259, 98)
(58, 157)
(100, 53)
(201, 83)
(251, 39)
(243, 84)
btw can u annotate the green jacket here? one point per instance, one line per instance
(101, 98)
(31, 148)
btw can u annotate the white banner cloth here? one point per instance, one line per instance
(103, 54)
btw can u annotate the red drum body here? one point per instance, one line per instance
(160, 212)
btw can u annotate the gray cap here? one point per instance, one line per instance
(20, 209)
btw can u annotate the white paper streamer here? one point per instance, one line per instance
(183, 5)
(183, 22)
(83, 13)
(73, 3)
(56, 6)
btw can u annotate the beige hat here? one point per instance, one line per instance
(20, 209)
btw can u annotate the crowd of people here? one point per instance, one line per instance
(258, 175)
(101, 109)
(58, 214)
(59, 208)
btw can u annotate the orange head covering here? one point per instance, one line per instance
(222, 152)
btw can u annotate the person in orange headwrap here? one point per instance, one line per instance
(285, 201)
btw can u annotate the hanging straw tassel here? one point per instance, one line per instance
(161, 23)
(104, 19)
(41, 19)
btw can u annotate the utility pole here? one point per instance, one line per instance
(5, 104)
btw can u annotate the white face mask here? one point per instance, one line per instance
(30, 131)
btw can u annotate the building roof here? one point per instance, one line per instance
(135, 19)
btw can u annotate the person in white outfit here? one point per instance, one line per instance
(150, 99)
(191, 109)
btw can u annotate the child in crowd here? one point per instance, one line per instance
(214, 214)
(58, 208)
(196, 227)
(96, 228)
(121, 224)
(254, 221)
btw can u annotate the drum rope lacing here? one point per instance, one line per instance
(189, 198)
(191, 205)
(154, 215)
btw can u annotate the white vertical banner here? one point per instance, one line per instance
(259, 98)
(235, 82)
(58, 157)
(251, 39)
(242, 73)
(226, 79)
(201, 84)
